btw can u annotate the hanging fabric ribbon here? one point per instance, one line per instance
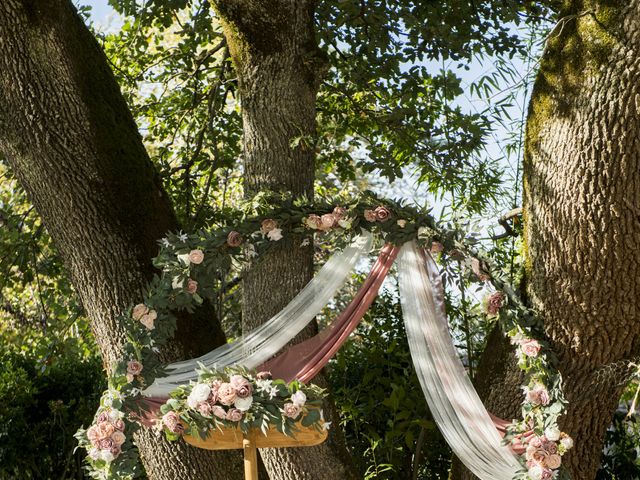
(458, 411)
(304, 360)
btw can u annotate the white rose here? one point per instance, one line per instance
(107, 456)
(275, 234)
(535, 472)
(243, 404)
(200, 392)
(552, 433)
(94, 454)
(184, 258)
(299, 398)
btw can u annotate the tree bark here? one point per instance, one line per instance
(582, 216)
(68, 135)
(279, 66)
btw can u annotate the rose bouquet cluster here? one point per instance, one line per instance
(544, 453)
(234, 397)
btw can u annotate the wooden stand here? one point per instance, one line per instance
(233, 438)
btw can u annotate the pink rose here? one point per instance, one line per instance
(530, 348)
(538, 395)
(234, 239)
(92, 434)
(339, 212)
(205, 409)
(115, 451)
(494, 303)
(103, 417)
(118, 437)
(242, 386)
(234, 415)
(192, 286)
(139, 311)
(196, 256)
(382, 213)
(478, 270)
(213, 395)
(546, 474)
(291, 410)
(370, 216)
(105, 430)
(264, 376)
(172, 421)
(313, 221)
(327, 221)
(267, 225)
(554, 461)
(226, 394)
(148, 319)
(436, 247)
(219, 412)
(134, 367)
(106, 443)
(119, 424)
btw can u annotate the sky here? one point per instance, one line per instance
(105, 18)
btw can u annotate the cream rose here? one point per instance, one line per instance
(139, 311)
(196, 256)
(148, 320)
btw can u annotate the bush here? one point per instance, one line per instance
(41, 407)
(381, 404)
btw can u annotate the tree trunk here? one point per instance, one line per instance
(68, 135)
(279, 67)
(582, 214)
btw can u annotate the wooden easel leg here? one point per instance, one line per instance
(250, 458)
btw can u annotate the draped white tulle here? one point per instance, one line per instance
(454, 403)
(259, 345)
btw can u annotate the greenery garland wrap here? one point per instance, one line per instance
(191, 267)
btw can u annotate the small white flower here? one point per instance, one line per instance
(177, 283)
(305, 243)
(165, 242)
(183, 237)
(567, 442)
(115, 414)
(552, 433)
(184, 258)
(273, 392)
(402, 223)
(345, 223)
(94, 454)
(264, 385)
(251, 251)
(243, 404)
(275, 234)
(299, 398)
(107, 456)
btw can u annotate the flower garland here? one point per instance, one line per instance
(192, 266)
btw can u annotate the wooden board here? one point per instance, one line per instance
(230, 438)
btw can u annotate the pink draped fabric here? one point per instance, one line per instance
(304, 360)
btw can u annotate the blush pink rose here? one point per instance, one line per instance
(118, 437)
(267, 225)
(205, 409)
(530, 348)
(119, 424)
(494, 303)
(313, 221)
(370, 216)
(226, 394)
(234, 239)
(196, 256)
(234, 415)
(339, 212)
(149, 319)
(134, 367)
(192, 286)
(139, 311)
(242, 385)
(327, 221)
(115, 450)
(264, 376)
(436, 247)
(554, 461)
(103, 417)
(291, 410)
(382, 213)
(546, 474)
(92, 434)
(219, 412)
(106, 443)
(538, 395)
(172, 421)
(105, 430)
